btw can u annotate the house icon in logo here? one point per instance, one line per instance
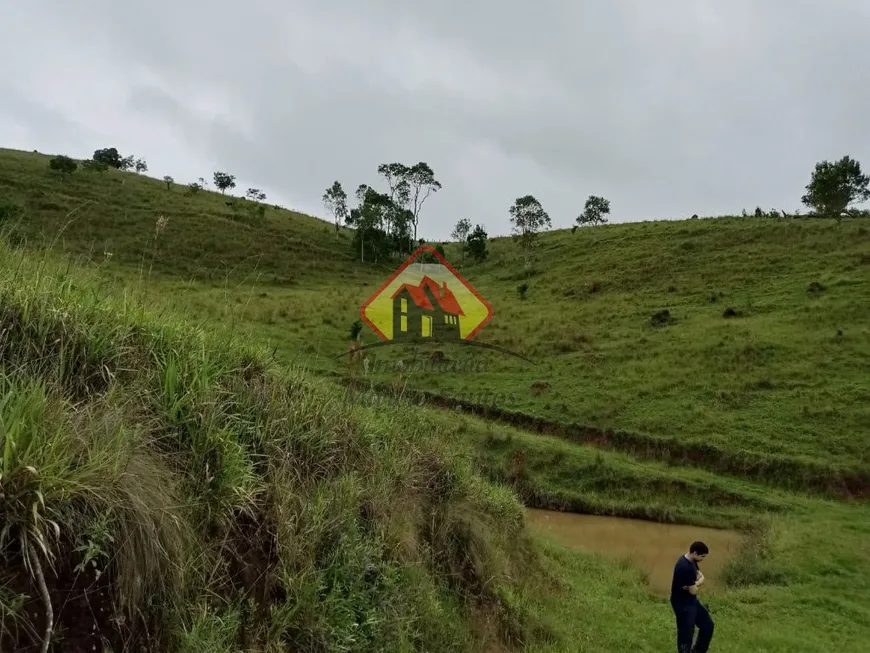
(426, 311)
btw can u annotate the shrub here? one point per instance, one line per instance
(63, 164)
(476, 243)
(753, 565)
(661, 318)
(522, 289)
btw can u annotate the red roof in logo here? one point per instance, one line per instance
(443, 295)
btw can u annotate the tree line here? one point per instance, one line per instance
(385, 221)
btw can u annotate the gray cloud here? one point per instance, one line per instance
(667, 108)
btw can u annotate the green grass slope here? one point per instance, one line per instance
(167, 489)
(784, 376)
(115, 214)
(183, 489)
(778, 391)
(182, 492)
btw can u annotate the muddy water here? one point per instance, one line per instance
(650, 546)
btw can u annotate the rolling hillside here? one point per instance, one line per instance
(93, 214)
(739, 344)
(178, 455)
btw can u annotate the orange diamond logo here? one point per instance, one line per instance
(426, 302)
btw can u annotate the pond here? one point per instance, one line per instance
(651, 546)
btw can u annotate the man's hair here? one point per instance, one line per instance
(700, 548)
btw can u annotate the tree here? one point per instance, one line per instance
(476, 243)
(108, 156)
(835, 185)
(421, 183)
(594, 211)
(335, 201)
(409, 187)
(63, 164)
(255, 195)
(371, 219)
(223, 181)
(169, 181)
(194, 187)
(141, 166)
(396, 175)
(527, 218)
(127, 163)
(461, 230)
(399, 216)
(92, 165)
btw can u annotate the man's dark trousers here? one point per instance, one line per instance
(688, 616)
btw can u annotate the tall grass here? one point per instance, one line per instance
(227, 502)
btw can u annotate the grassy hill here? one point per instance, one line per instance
(173, 409)
(185, 493)
(169, 488)
(628, 325)
(92, 214)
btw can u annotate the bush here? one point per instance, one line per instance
(753, 565)
(661, 318)
(522, 289)
(63, 164)
(476, 243)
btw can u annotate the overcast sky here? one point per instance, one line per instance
(667, 108)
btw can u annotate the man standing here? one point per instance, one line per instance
(684, 600)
